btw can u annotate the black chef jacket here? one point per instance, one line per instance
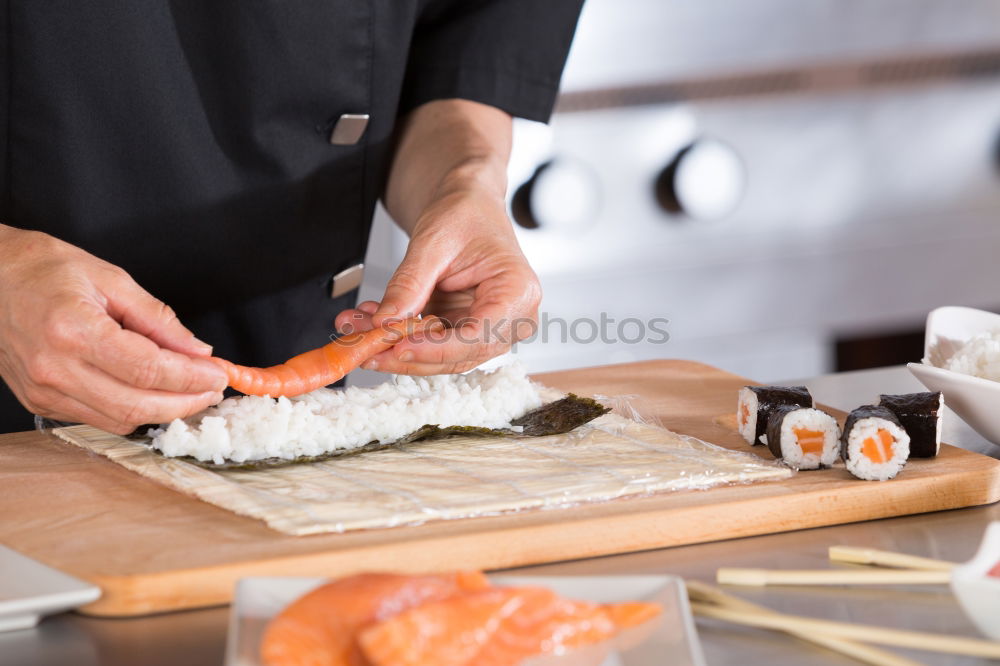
(188, 141)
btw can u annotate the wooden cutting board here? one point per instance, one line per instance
(152, 549)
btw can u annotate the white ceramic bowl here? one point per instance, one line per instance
(975, 400)
(977, 591)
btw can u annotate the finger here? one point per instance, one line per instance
(412, 283)
(137, 310)
(131, 407)
(444, 352)
(485, 332)
(92, 397)
(138, 361)
(468, 342)
(389, 364)
(503, 311)
(369, 307)
(62, 407)
(352, 321)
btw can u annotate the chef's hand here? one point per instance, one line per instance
(81, 341)
(464, 265)
(447, 188)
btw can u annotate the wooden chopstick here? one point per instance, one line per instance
(701, 593)
(887, 558)
(972, 647)
(761, 577)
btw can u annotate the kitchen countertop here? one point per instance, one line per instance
(196, 638)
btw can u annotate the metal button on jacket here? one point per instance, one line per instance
(349, 129)
(347, 280)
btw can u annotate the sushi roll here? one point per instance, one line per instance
(757, 402)
(804, 437)
(920, 414)
(874, 444)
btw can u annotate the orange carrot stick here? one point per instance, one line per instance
(325, 365)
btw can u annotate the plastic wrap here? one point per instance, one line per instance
(621, 454)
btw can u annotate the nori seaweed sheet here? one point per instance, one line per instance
(770, 398)
(919, 413)
(554, 418)
(864, 412)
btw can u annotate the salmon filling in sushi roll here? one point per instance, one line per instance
(803, 437)
(874, 445)
(756, 404)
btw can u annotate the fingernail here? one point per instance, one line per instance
(204, 345)
(406, 356)
(370, 364)
(388, 309)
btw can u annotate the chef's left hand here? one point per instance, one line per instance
(464, 265)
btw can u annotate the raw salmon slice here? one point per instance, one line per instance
(810, 441)
(628, 614)
(878, 451)
(319, 628)
(494, 627)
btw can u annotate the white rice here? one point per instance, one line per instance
(860, 465)
(747, 403)
(253, 428)
(809, 419)
(979, 357)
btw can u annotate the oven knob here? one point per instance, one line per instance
(704, 181)
(563, 194)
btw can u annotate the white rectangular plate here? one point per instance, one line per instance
(30, 589)
(671, 639)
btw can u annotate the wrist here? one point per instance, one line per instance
(484, 175)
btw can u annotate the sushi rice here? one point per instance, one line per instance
(979, 357)
(251, 428)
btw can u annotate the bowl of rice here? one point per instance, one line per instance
(962, 360)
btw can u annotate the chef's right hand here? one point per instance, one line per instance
(81, 341)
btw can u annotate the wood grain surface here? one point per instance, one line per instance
(152, 549)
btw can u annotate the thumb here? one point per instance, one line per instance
(137, 310)
(411, 285)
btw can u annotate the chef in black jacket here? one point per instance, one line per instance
(224, 158)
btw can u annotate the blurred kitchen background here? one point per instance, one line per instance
(793, 184)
